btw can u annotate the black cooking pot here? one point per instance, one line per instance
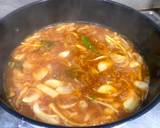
(136, 27)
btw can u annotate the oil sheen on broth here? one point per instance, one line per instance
(76, 74)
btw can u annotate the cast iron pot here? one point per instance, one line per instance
(144, 33)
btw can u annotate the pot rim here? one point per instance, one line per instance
(137, 114)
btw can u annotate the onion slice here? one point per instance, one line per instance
(106, 89)
(40, 74)
(52, 106)
(64, 89)
(47, 90)
(31, 98)
(64, 54)
(132, 102)
(103, 65)
(104, 104)
(98, 58)
(53, 83)
(67, 106)
(118, 58)
(51, 119)
(141, 85)
(22, 93)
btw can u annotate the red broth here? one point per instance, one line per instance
(76, 74)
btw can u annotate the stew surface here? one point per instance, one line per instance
(76, 74)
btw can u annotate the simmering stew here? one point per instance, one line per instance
(76, 74)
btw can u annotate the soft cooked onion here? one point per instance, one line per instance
(66, 27)
(19, 57)
(64, 89)
(31, 38)
(60, 28)
(53, 83)
(106, 89)
(52, 106)
(107, 105)
(74, 34)
(31, 98)
(41, 73)
(22, 93)
(67, 106)
(103, 65)
(83, 104)
(64, 54)
(51, 119)
(104, 104)
(110, 40)
(81, 47)
(98, 58)
(141, 85)
(133, 64)
(85, 27)
(47, 90)
(131, 102)
(138, 58)
(118, 58)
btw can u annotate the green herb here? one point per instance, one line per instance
(87, 43)
(16, 64)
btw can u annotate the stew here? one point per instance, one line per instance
(76, 74)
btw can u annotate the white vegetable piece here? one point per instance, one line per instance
(133, 64)
(19, 56)
(68, 121)
(20, 96)
(64, 89)
(104, 104)
(64, 54)
(60, 28)
(53, 83)
(83, 104)
(41, 73)
(131, 103)
(138, 58)
(106, 89)
(81, 47)
(141, 85)
(110, 40)
(67, 106)
(51, 119)
(31, 98)
(118, 58)
(103, 65)
(47, 90)
(99, 58)
(27, 65)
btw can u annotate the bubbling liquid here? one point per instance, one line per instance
(76, 74)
